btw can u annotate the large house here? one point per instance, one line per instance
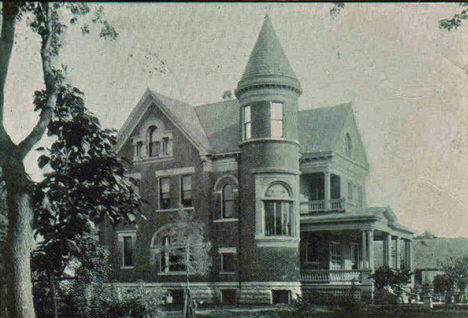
(281, 191)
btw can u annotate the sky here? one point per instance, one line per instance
(404, 76)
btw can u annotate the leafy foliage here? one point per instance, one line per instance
(85, 186)
(385, 276)
(188, 233)
(337, 7)
(457, 270)
(456, 20)
(442, 283)
(426, 235)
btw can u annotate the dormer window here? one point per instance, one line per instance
(348, 146)
(277, 128)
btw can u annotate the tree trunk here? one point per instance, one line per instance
(19, 241)
(53, 293)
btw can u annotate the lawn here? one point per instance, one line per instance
(392, 311)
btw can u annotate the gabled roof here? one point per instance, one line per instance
(221, 124)
(214, 128)
(319, 128)
(180, 113)
(268, 61)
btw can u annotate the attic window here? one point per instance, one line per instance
(348, 146)
(153, 141)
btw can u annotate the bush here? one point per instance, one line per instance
(384, 276)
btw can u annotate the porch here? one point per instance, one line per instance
(340, 248)
(321, 276)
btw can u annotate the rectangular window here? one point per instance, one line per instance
(360, 197)
(164, 193)
(278, 218)
(186, 191)
(350, 191)
(127, 251)
(227, 202)
(355, 256)
(277, 120)
(139, 147)
(227, 263)
(335, 256)
(247, 123)
(155, 149)
(165, 146)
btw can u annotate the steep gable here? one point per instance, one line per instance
(181, 114)
(358, 152)
(319, 128)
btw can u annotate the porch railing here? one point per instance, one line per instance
(333, 276)
(320, 206)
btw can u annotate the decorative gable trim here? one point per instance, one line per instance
(148, 99)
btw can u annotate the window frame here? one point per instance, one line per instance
(278, 201)
(167, 251)
(224, 214)
(247, 123)
(336, 257)
(121, 236)
(227, 251)
(161, 193)
(355, 256)
(348, 146)
(274, 120)
(182, 190)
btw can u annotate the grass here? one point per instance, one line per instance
(389, 311)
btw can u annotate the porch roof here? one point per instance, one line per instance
(372, 218)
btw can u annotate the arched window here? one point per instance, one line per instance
(172, 256)
(154, 143)
(348, 146)
(278, 207)
(227, 202)
(153, 140)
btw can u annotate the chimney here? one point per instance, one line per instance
(227, 95)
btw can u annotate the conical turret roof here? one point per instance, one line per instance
(267, 63)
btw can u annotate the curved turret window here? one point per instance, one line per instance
(278, 207)
(277, 129)
(348, 146)
(247, 131)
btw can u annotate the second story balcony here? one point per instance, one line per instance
(323, 192)
(316, 206)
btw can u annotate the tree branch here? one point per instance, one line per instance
(50, 81)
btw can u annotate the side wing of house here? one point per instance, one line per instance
(164, 145)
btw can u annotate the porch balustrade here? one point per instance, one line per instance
(319, 206)
(333, 276)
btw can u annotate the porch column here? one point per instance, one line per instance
(387, 249)
(408, 254)
(365, 260)
(370, 249)
(327, 189)
(397, 252)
